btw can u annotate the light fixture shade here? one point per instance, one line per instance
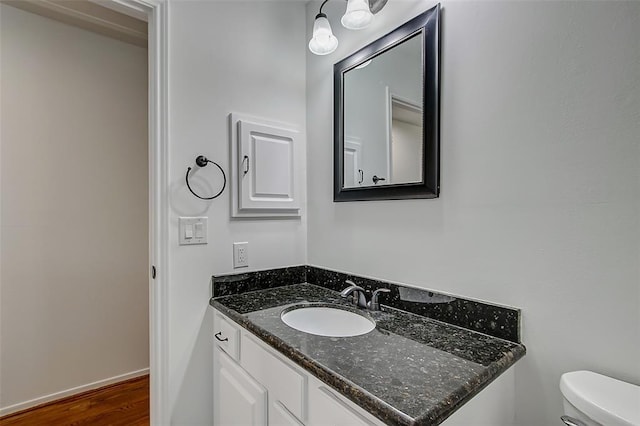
(323, 41)
(358, 15)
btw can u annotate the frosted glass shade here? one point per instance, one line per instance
(357, 15)
(323, 41)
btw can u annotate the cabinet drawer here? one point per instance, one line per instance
(285, 384)
(226, 335)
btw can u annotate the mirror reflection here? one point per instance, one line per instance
(383, 127)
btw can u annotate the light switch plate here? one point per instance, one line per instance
(193, 230)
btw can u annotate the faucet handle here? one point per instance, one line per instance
(353, 287)
(374, 305)
(357, 293)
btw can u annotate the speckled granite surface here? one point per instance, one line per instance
(410, 370)
(494, 320)
(224, 285)
(491, 319)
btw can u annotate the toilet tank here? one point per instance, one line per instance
(600, 400)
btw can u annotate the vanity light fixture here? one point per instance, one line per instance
(323, 41)
(358, 15)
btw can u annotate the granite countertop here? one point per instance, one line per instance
(410, 370)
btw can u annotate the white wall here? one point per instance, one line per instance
(540, 182)
(74, 247)
(246, 57)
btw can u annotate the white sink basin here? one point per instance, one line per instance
(325, 321)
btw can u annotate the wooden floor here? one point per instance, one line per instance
(125, 403)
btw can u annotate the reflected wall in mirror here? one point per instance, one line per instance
(386, 139)
(383, 118)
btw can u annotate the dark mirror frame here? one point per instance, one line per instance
(428, 24)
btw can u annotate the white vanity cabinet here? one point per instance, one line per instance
(255, 385)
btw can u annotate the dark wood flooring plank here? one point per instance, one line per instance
(121, 404)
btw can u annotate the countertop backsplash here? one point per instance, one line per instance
(491, 319)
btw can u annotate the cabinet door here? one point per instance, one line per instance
(325, 408)
(280, 416)
(238, 399)
(266, 168)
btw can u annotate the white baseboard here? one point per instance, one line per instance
(69, 392)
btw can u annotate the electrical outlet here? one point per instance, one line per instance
(240, 255)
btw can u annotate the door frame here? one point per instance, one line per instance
(156, 15)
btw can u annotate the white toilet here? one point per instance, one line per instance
(597, 400)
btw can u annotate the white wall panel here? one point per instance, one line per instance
(225, 56)
(539, 208)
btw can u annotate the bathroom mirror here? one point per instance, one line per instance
(386, 112)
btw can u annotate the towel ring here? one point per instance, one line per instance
(202, 161)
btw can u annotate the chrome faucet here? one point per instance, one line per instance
(373, 304)
(359, 298)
